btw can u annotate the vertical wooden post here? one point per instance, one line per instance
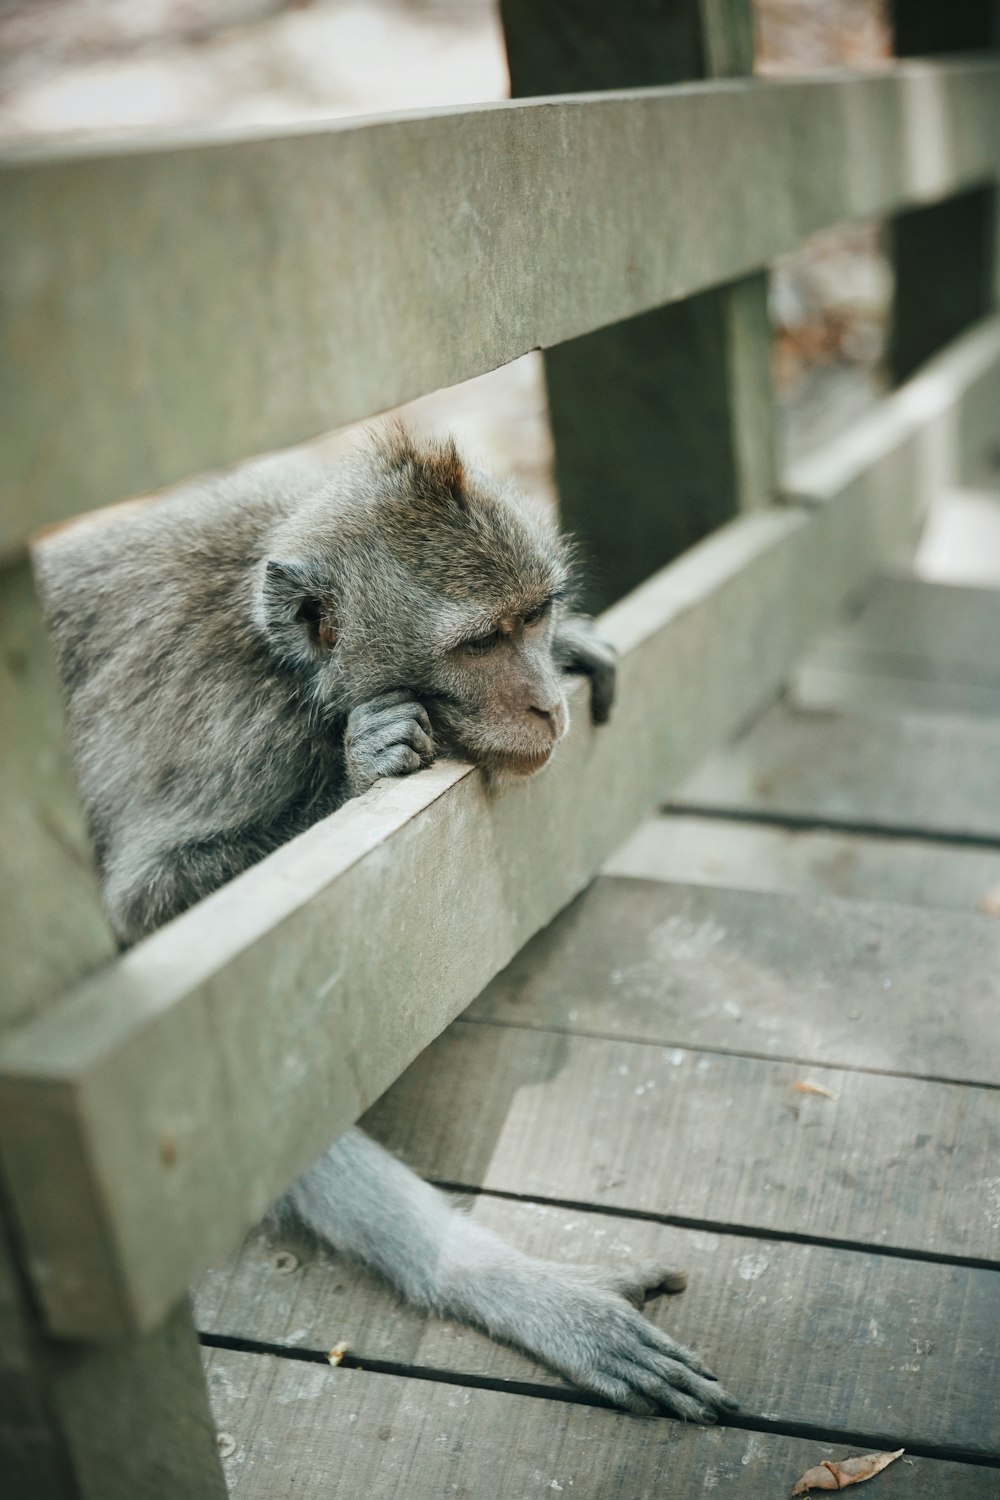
(945, 256)
(662, 424)
(129, 1420)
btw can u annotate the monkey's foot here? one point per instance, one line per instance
(390, 735)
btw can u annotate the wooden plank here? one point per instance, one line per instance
(815, 685)
(302, 1429)
(52, 927)
(759, 1311)
(808, 862)
(893, 1162)
(925, 775)
(207, 1020)
(917, 440)
(934, 630)
(203, 297)
(914, 646)
(918, 991)
(92, 1425)
(670, 412)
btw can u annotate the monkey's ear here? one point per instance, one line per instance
(297, 612)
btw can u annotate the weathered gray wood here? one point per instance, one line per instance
(809, 862)
(760, 1312)
(920, 439)
(51, 925)
(916, 991)
(922, 774)
(662, 424)
(207, 297)
(934, 630)
(714, 1137)
(915, 646)
(262, 1022)
(130, 1421)
(137, 1419)
(302, 1429)
(863, 687)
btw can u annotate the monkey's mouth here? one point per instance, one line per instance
(521, 763)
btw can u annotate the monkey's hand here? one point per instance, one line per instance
(390, 735)
(578, 648)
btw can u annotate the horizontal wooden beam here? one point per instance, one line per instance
(187, 300)
(926, 435)
(148, 1120)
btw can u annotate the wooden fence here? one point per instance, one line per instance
(190, 300)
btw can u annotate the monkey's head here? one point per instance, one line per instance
(409, 570)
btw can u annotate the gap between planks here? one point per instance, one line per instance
(829, 823)
(568, 1396)
(352, 1432)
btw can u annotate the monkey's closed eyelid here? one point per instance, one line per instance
(539, 612)
(482, 643)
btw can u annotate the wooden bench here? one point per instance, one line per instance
(177, 303)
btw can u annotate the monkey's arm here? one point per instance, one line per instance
(578, 648)
(583, 1321)
(142, 891)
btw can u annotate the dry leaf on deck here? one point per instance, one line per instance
(837, 1476)
(806, 1086)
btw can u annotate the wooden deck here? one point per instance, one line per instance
(814, 909)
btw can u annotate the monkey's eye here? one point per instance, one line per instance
(535, 616)
(483, 643)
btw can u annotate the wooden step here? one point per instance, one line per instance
(928, 775)
(811, 862)
(913, 647)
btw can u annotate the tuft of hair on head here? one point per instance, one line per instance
(433, 469)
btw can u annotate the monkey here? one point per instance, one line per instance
(241, 658)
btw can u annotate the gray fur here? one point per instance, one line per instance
(243, 657)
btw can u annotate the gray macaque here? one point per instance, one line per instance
(243, 657)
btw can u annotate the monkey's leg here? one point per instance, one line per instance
(582, 1321)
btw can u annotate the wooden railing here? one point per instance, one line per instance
(193, 300)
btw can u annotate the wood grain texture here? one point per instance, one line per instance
(772, 1319)
(848, 984)
(921, 773)
(189, 300)
(795, 861)
(712, 1137)
(304, 1429)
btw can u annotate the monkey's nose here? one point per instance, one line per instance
(552, 718)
